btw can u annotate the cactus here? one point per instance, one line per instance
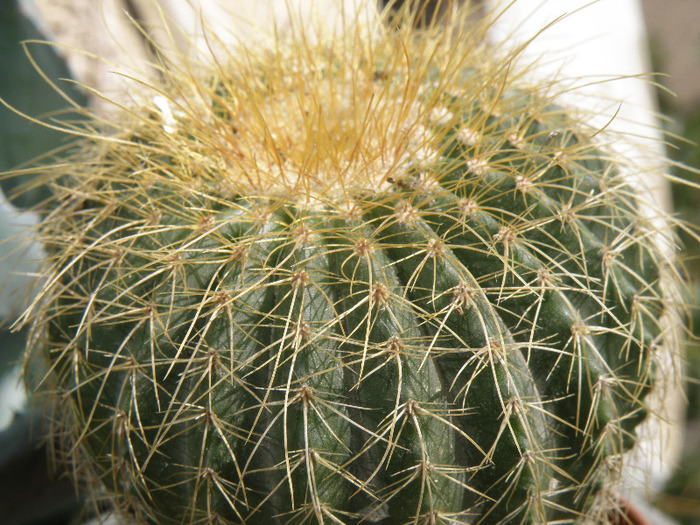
(350, 279)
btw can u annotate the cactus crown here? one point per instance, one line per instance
(350, 279)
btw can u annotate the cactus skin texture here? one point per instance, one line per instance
(350, 280)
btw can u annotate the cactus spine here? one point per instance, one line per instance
(350, 280)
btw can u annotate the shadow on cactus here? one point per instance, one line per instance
(351, 279)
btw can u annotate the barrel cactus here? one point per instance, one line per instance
(371, 277)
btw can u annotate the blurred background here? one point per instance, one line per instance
(30, 492)
(673, 32)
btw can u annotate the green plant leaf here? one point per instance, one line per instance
(23, 88)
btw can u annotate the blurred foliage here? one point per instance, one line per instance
(31, 495)
(681, 498)
(24, 88)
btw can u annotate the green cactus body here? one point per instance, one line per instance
(348, 286)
